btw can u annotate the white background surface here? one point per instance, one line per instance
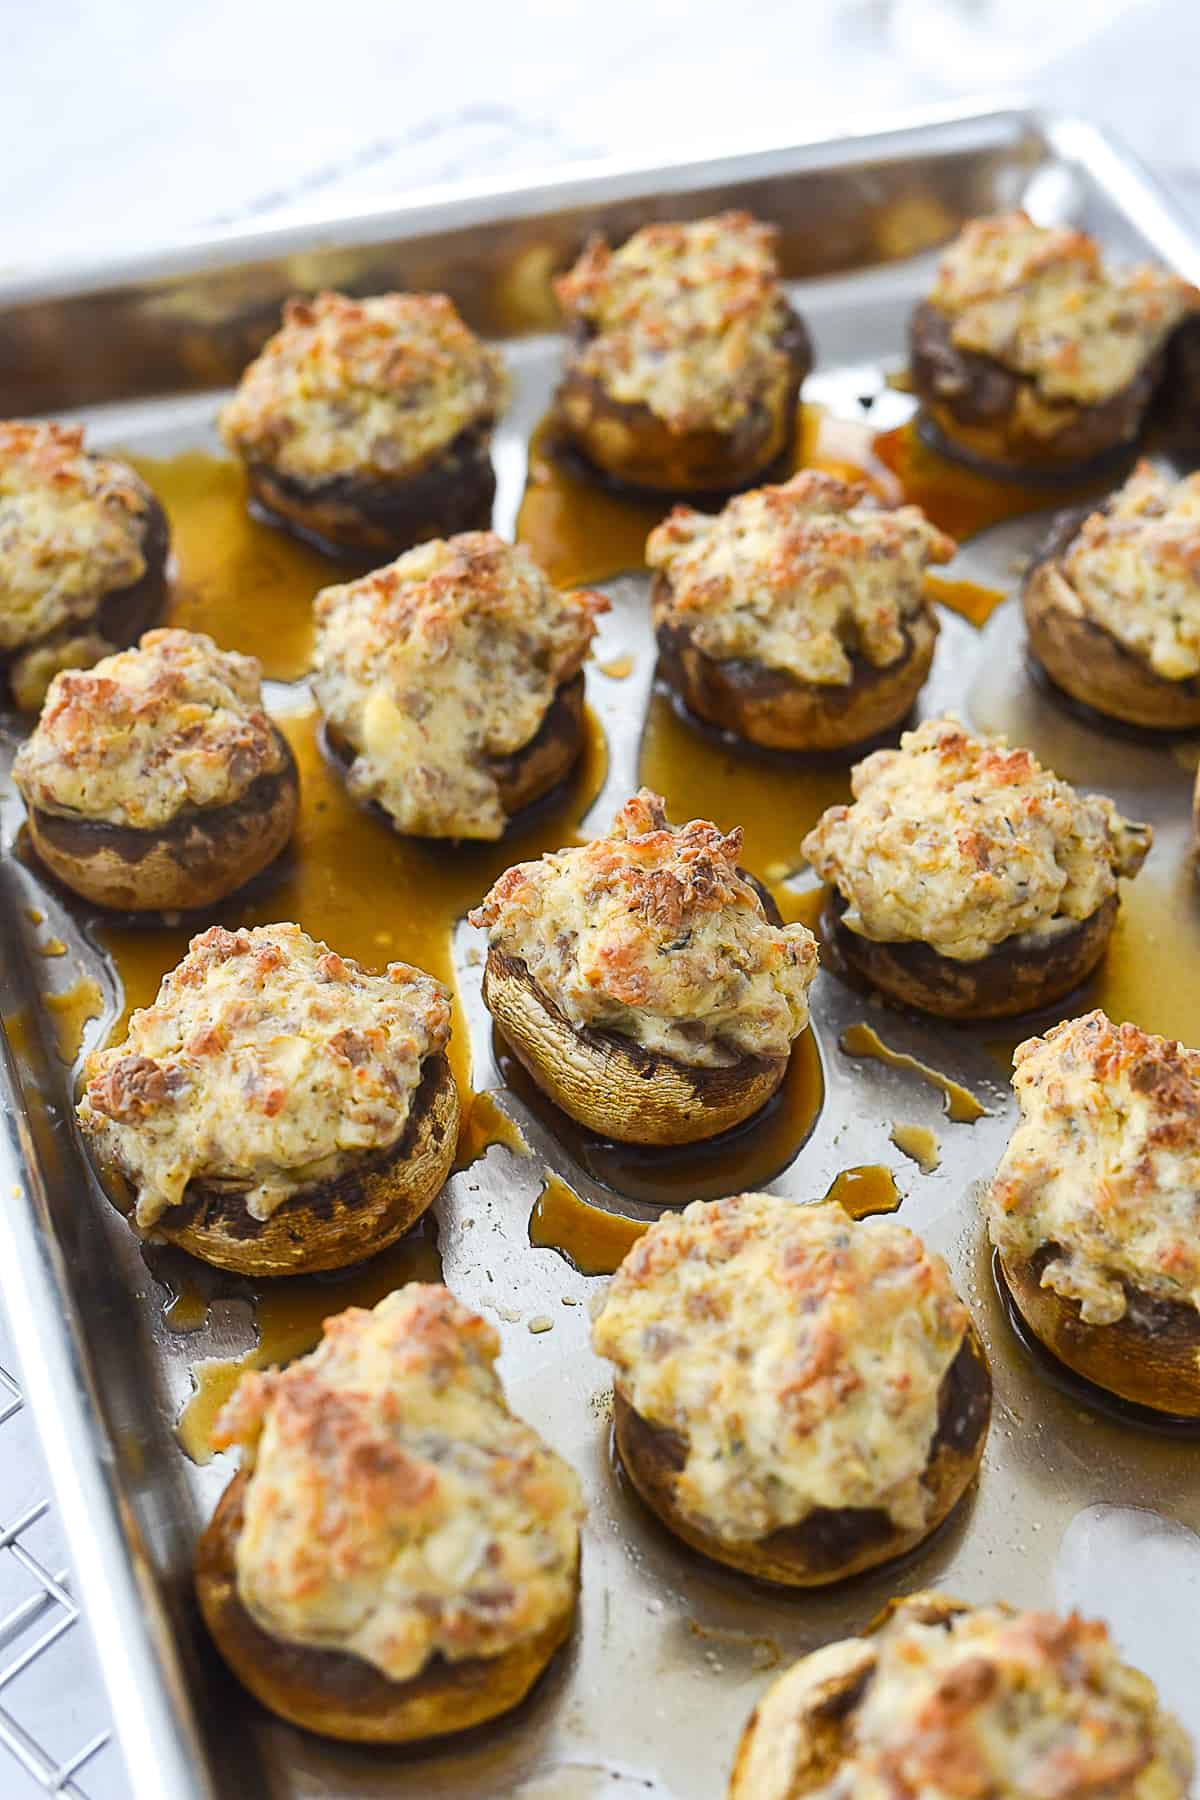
(129, 121)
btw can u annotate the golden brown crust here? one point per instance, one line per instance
(613, 1085)
(1151, 1355)
(200, 857)
(1087, 662)
(832, 1543)
(776, 710)
(337, 1222)
(342, 1696)
(1015, 977)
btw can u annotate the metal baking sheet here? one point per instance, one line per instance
(670, 1653)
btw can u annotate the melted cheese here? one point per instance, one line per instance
(375, 388)
(267, 1063)
(683, 319)
(1104, 1165)
(1040, 301)
(439, 663)
(799, 1355)
(992, 1703)
(395, 1509)
(809, 578)
(1134, 569)
(960, 843)
(654, 933)
(72, 529)
(147, 734)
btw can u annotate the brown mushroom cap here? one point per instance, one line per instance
(202, 855)
(1150, 1356)
(627, 444)
(452, 492)
(974, 403)
(1084, 660)
(1011, 979)
(611, 1084)
(342, 1696)
(831, 1543)
(779, 711)
(335, 1222)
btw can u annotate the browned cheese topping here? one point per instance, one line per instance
(1041, 301)
(441, 663)
(72, 529)
(684, 319)
(376, 388)
(150, 733)
(267, 1063)
(1104, 1166)
(396, 1510)
(1133, 568)
(990, 1704)
(799, 1355)
(959, 842)
(808, 578)
(654, 932)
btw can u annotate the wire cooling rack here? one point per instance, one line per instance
(54, 1721)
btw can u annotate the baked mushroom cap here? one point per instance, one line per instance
(685, 359)
(278, 1108)
(641, 982)
(155, 780)
(342, 1576)
(85, 556)
(451, 682)
(797, 616)
(941, 1697)
(1112, 603)
(970, 881)
(797, 1395)
(367, 423)
(1093, 1207)
(1030, 354)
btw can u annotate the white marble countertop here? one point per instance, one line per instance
(129, 122)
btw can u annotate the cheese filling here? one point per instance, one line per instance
(441, 663)
(396, 1510)
(149, 733)
(684, 319)
(1104, 1166)
(809, 578)
(961, 843)
(373, 388)
(1133, 568)
(654, 933)
(799, 1355)
(267, 1063)
(1040, 301)
(72, 529)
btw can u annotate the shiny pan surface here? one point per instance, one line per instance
(1074, 1506)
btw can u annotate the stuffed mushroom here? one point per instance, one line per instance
(685, 357)
(83, 556)
(452, 684)
(797, 1395)
(367, 424)
(1093, 1208)
(641, 982)
(967, 880)
(1031, 355)
(943, 1699)
(1112, 603)
(278, 1109)
(155, 780)
(797, 618)
(398, 1558)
